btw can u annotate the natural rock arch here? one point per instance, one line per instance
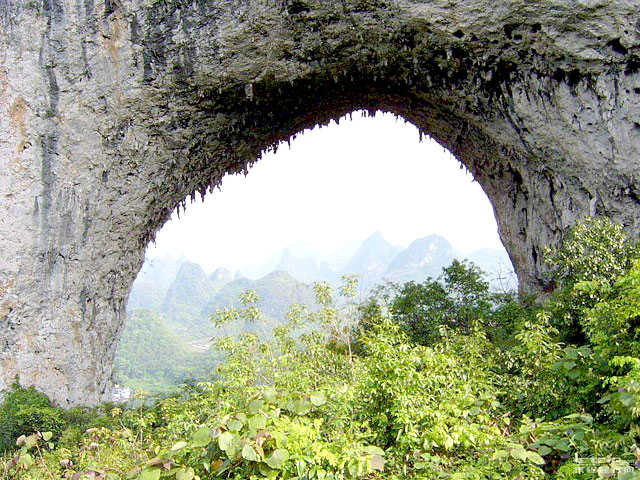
(113, 111)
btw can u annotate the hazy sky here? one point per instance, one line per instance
(336, 184)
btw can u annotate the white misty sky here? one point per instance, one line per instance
(335, 185)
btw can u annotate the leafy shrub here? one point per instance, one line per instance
(593, 254)
(25, 411)
(460, 298)
(595, 249)
(275, 434)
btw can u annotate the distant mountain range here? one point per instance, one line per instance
(423, 258)
(193, 296)
(178, 297)
(185, 296)
(376, 260)
(371, 261)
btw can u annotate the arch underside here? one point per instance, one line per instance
(132, 107)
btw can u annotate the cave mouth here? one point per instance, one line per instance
(307, 212)
(260, 118)
(203, 179)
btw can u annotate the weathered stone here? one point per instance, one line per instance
(113, 111)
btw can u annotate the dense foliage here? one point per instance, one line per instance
(159, 350)
(151, 357)
(458, 300)
(25, 410)
(443, 379)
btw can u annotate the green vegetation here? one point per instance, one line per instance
(460, 299)
(169, 327)
(156, 352)
(436, 380)
(151, 357)
(25, 410)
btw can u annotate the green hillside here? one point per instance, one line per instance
(276, 292)
(439, 379)
(189, 292)
(151, 357)
(157, 351)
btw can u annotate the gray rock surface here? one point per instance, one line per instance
(424, 258)
(113, 112)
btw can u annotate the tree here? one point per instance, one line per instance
(457, 300)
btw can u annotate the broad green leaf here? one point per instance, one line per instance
(225, 441)
(301, 407)
(571, 353)
(255, 406)
(280, 438)
(519, 453)
(628, 399)
(585, 417)
(248, 453)
(181, 444)
(202, 437)
(267, 472)
(257, 422)
(549, 441)
(448, 443)
(535, 458)
(373, 450)
(46, 436)
(377, 463)
(318, 399)
(185, 474)
(277, 458)
(270, 395)
(234, 425)
(605, 399)
(498, 454)
(544, 450)
(31, 441)
(150, 475)
(155, 462)
(224, 466)
(26, 460)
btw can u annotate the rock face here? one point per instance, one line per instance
(371, 260)
(189, 292)
(304, 269)
(425, 257)
(113, 112)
